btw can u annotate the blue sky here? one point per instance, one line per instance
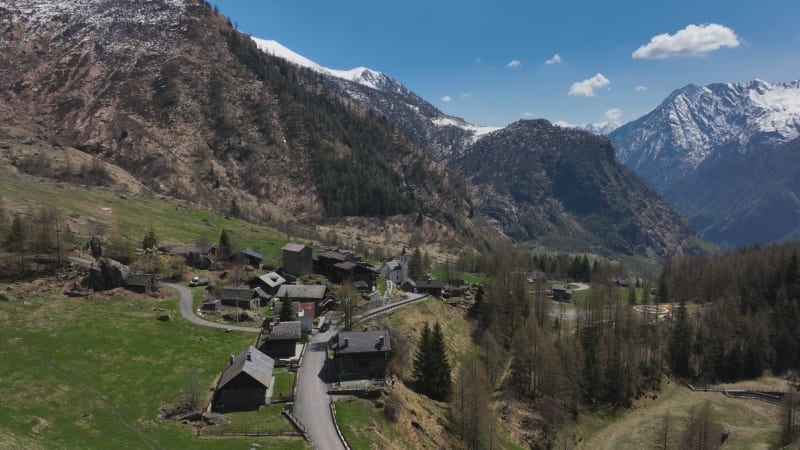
(456, 54)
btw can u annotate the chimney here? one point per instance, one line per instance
(248, 357)
(346, 342)
(230, 361)
(381, 340)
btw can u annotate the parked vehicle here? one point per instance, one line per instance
(199, 281)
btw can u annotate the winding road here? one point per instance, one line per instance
(187, 311)
(312, 402)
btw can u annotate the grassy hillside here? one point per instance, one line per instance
(91, 209)
(95, 373)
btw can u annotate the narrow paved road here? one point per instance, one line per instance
(187, 311)
(311, 405)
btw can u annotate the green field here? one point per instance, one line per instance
(96, 373)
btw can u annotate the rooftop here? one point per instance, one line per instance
(139, 280)
(285, 331)
(272, 279)
(252, 362)
(333, 255)
(311, 291)
(363, 341)
(290, 247)
(307, 309)
(346, 266)
(253, 253)
(430, 284)
(237, 294)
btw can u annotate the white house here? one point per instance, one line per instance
(395, 270)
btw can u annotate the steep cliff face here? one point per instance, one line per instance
(169, 91)
(564, 188)
(702, 144)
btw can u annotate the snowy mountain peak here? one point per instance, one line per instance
(361, 75)
(694, 122)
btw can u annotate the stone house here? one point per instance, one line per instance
(302, 293)
(143, 284)
(297, 259)
(282, 339)
(244, 298)
(244, 383)
(561, 292)
(360, 355)
(395, 270)
(430, 287)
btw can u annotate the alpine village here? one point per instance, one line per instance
(208, 241)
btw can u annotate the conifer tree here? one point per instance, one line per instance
(680, 347)
(441, 372)
(150, 239)
(286, 313)
(422, 360)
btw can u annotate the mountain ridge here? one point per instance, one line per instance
(700, 136)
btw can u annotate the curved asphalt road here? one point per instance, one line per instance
(312, 403)
(185, 307)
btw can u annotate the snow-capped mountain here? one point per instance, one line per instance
(688, 127)
(703, 144)
(602, 128)
(443, 136)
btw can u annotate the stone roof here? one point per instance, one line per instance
(272, 279)
(429, 284)
(363, 341)
(285, 331)
(346, 266)
(293, 247)
(393, 265)
(253, 253)
(139, 280)
(561, 287)
(237, 294)
(252, 362)
(333, 255)
(310, 291)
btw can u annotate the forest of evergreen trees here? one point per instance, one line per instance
(357, 182)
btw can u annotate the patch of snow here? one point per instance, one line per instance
(476, 130)
(361, 75)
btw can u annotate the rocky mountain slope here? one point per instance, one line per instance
(538, 219)
(704, 143)
(169, 91)
(564, 188)
(444, 137)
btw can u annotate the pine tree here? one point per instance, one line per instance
(225, 245)
(150, 239)
(680, 347)
(441, 372)
(422, 360)
(286, 313)
(432, 372)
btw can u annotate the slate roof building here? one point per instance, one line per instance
(303, 293)
(431, 287)
(297, 259)
(561, 292)
(282, 339)
(143, 284)
(244, 298)
(269, 282)
(244, 383)
(360, 355)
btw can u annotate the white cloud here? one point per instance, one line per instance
(694, 40)
(528, 115)
(587, 87)
(447, 99)
(613, 114)
(554, 60)
(514, 64)
(641, 88)
(466, 95)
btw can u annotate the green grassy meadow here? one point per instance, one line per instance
(95, 373)
(174, 221)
